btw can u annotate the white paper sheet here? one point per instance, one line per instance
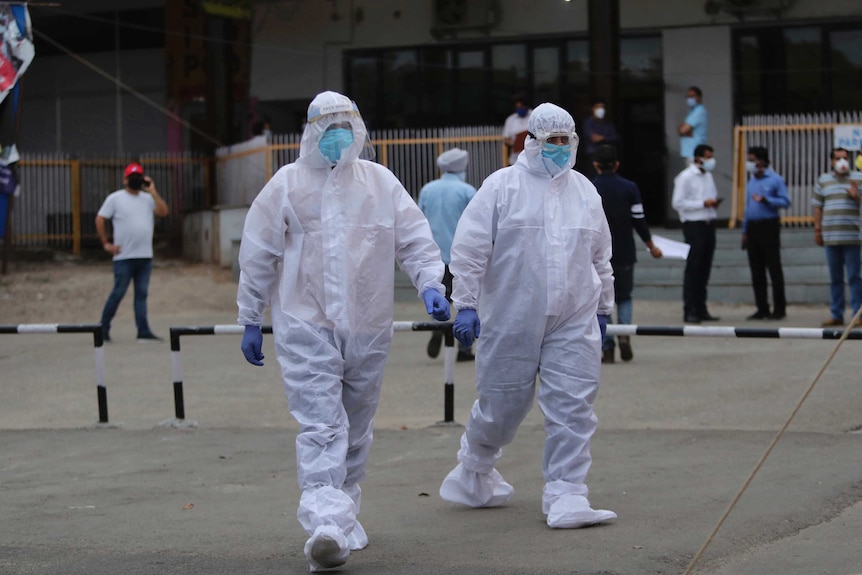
(671, 249)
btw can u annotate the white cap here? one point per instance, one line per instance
(454, 160)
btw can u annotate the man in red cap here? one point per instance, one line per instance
(132, 212)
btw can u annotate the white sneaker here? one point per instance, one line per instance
(572, 511)
(476, 489)
(326, 549)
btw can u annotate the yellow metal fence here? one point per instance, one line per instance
(60, 196)
(799, 148)
(411, 154)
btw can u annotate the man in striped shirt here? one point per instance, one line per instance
(836, 226)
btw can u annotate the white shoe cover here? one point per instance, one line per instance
(327, 548)
(572, 511)
(476, 489)
(357, 539)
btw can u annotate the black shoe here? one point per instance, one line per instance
(777, 315)
(608, 355)
(759, 315)
(691, 318)
(434, 344)
(707, 317)
(465, 355)
(626, 348)
(149, 338)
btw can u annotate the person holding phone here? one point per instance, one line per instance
(766, 194)
(695, 198)
(132, 212)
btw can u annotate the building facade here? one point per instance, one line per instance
(436, 63)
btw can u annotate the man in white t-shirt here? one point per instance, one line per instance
(515, 129)
(132, 212)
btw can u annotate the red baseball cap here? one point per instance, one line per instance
(133, 169)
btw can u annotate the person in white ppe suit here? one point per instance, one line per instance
(531, 260)
(318, 247)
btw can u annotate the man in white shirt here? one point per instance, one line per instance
(695, 198)
(132, 211)
(515, 129)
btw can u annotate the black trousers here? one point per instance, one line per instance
(764, 253)
(700, 236)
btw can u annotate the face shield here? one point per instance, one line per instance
(554, 142)
(334, 132)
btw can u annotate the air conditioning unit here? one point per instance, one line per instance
(453, 16)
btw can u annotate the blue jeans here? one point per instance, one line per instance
(125, 271)
(840, 258)
(624, 316)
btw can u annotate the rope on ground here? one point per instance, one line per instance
(778, 435)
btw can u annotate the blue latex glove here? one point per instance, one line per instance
(252, 340)
(466, 326)
(603, 324)
(436, 305)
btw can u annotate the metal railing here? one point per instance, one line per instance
(799, 147)
(60, 195)
(411, 154)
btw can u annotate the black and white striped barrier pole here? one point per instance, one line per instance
(730, 331)
(99, 352)
(177, 366)
(448, 361)
(177, 363)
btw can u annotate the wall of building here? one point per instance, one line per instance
(68, 107)
(700, 57)
(298, 44)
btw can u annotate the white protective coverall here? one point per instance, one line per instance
(318, 247)
(532, 254)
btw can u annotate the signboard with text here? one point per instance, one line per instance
(848, 136)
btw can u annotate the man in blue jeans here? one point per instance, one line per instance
(836, 227)
(132, 212)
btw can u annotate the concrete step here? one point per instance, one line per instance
(730, 274)
(806, 274)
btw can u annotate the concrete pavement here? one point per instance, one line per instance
(681, 427)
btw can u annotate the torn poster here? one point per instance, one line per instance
(17, 50)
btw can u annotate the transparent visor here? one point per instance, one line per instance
(368, 151)
(561, 139)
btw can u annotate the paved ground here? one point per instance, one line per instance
(681, 427)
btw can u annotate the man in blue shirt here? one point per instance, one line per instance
(761, 233)
(624, 210)
(442, 201)
(692, 132)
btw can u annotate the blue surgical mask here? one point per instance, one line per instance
(708, 164)
(333, 142)
(692, 102)
(557, 154)
(521, 111)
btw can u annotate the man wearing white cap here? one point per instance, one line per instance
(443, 201)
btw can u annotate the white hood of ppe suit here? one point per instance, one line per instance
(551, 120)
(326, 109)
